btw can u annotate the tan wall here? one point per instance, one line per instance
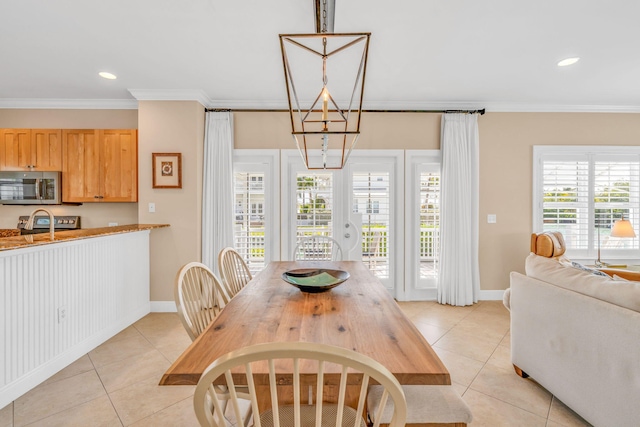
(506, 141)
(506, 150)
(506, 169)
(68, 119)
(379, 131)
(92, 214)
(171, 127)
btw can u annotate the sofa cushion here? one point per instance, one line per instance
(619, 292)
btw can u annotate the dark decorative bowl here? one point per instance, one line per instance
(315, 280)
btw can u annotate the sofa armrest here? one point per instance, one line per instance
(625, 274)
(582, 349)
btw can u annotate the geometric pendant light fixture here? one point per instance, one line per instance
(325, 74)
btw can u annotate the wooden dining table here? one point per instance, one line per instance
(358, 314)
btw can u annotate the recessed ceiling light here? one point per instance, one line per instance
(106, 75)
(568, 61)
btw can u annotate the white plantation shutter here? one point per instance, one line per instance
(249, 221)
(616, 185)
(566, 200)
(371, 198)
(429, 224)
(582, 191)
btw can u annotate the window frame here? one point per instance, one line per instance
(417, 288)
(590, 154)
(266, 161)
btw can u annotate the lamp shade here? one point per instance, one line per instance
(622, 228)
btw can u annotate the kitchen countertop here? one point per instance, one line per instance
(9, 232)
(16, 242)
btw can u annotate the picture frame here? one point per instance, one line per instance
(167, 170)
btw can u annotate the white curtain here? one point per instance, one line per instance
(459, 273)
(217, 188)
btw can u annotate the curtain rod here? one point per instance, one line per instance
(256, 110)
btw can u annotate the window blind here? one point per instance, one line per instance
(249, 222)
(584, 191)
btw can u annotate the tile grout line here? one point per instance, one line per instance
(504, 401)
(484, 364)
(105, 390)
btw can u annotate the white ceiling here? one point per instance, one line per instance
(424, 54)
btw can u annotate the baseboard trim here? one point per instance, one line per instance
(163, 307)
(25, 383)
(495, 295)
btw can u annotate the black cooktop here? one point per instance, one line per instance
(41, 223)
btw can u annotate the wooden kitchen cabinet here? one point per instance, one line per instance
(31, 149)
(100, 165)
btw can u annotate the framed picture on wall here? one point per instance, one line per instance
(167, 170)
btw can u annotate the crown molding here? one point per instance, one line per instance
(497, 107)
(69, 104)
(203, 99)
(171, 95)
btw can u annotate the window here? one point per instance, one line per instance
(582, 191)
(422, 225)
(429, 223)
(249, 230)
(314, 204)
(372, 189)
(255, 230)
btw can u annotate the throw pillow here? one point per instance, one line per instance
(590, 270)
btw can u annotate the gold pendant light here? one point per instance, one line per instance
(324, 74)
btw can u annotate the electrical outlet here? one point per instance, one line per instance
(113, 224)
(492, 218)
(152, 207)
(62, 313)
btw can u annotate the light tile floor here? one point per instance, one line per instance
(116, 384)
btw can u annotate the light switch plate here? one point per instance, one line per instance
(492, 219)
(152, 207)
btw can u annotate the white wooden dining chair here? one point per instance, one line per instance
(234, 271)
(317, 248)
(199, 297)
(284, 361)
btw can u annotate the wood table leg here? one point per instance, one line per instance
(520, 372)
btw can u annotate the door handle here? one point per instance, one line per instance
(38, 188)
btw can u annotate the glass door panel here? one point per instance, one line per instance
(249, 220)
(314, 204)
(371, 203)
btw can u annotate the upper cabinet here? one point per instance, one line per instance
(30, 149)
(100, 165)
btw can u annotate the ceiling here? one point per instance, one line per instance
(424, 54)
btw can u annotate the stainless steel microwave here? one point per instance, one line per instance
(30, 188)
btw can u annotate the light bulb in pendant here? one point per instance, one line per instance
(325, 105)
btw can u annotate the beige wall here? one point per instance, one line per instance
(92, 214)
(411, 131)
(506, 150)
(506, 141)
(506, 168)
(171, 127)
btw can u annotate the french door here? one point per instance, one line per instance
(358, 206)
(383, 208)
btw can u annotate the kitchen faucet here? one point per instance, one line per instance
(29, 224)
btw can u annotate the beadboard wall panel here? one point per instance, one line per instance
(60, 301)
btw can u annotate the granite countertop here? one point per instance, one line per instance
(16, 242)
(9, 232)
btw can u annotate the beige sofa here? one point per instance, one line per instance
(578, 335)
